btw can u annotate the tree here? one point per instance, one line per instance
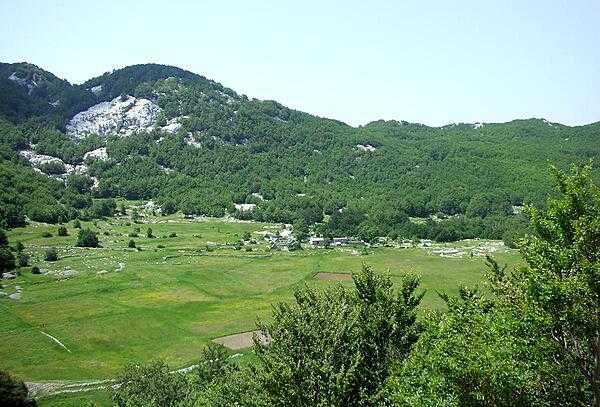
(131, 244)
(51, 254)
(337, 346)
(7, 260)
(150, 385)
(87, 238)
(62, 231)
(13, 392)
(23, 259)
(3, 238)
(561, 283)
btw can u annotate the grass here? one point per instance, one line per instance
(168, 302)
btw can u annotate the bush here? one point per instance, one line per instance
(149, 233)
(13, 392)
(36, 270)
(23, 259)
(51, 254)
(3, 238)
(46, 234)
(52, 168)
(131, 244)
(77, 224)
(7, 259)
(19, 247)
(87, 238)
(62, 231)
(151, 385)
(173, 234)
(133, 234)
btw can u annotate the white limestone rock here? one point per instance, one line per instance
(98, 154)
(122, 115)
(366, 147)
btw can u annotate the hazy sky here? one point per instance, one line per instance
(434, 62)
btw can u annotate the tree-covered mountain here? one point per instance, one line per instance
(158, 132)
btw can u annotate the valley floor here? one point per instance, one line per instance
(94, 310)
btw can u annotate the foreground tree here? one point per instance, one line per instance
(13, 392)
(336, 347)
(151, 385)
(561, 285)
(536, 340)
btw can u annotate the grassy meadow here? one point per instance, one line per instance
(114, 304)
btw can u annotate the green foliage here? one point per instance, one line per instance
(23, 259)
(7, 259)
(150, 385)
(561, 285)
(131, 244)
(87, 238)
(52, 168)
(13, 392)
(149, 233)
(534, 341)
(51, 254)
(336, 346)
(62, 231)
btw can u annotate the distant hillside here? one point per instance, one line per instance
(159, 132)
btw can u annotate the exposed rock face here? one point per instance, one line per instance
(30, 84)
(366, 147)
(99, 154)
(122, 115)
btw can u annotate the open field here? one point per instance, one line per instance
(112, 305)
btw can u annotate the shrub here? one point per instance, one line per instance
(62, 231)
(149, 233)
(36, 270)
(7, 259)
(52, 168)
(19, 247)
(133, 234)
(23, 259)
(51, 254)
(173, 234)
(160, 246)
(151, 385)
(46, 234)
(77, 224)
(87, 238)
(3, 238)
(131, 244)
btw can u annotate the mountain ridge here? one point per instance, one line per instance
(160, 133)
(153, 73)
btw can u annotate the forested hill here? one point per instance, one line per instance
(190, 144)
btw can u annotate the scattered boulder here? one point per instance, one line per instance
(8, 276)
(15, 296)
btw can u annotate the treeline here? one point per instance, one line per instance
(528, 338)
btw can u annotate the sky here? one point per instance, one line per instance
(432, 62)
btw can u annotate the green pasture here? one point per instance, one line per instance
(113, 305)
